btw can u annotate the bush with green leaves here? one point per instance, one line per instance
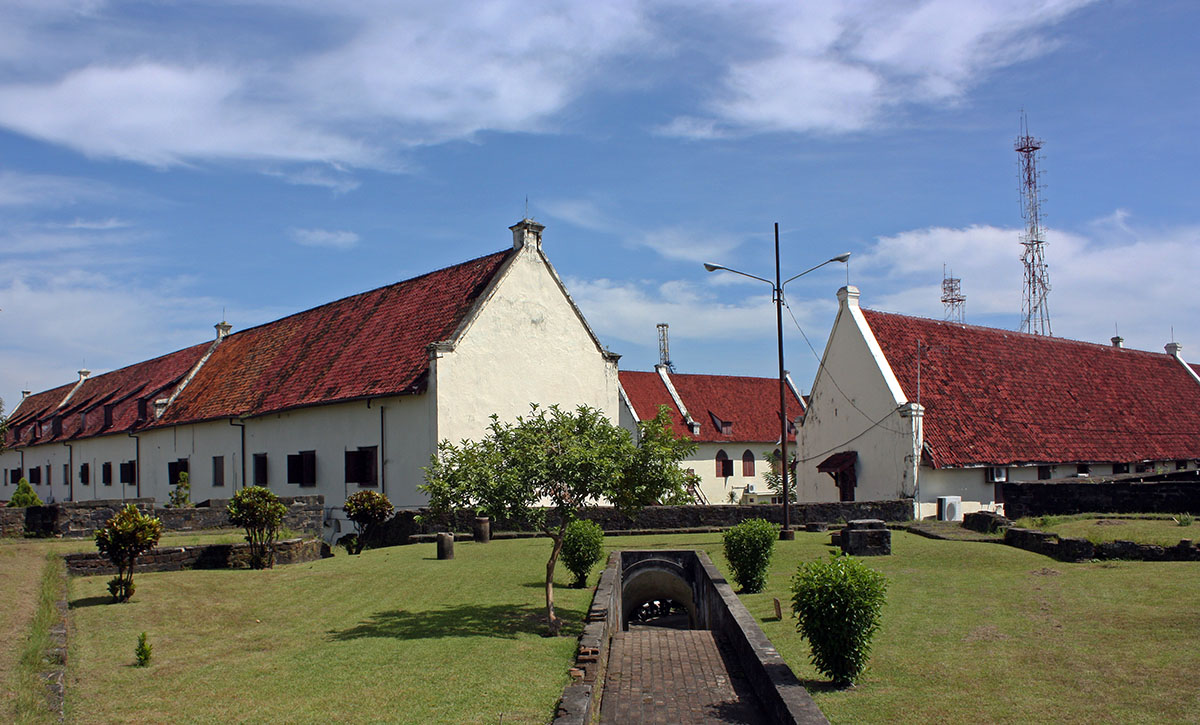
(583, 547)
(24, 495)
(748, 549)
(1183, 519)
(260, 512)
(837, 602)
(367, 509)
(181, 494)
(124, 538)
(143, 650)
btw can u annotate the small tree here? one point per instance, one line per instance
(181, 494)
(583, 547)
(367, 509)
(144, 650)
(260, 513)
(837, 603)
(748, 549)
(774, 478)
(24, 495)
(124, 538)
(569, 460)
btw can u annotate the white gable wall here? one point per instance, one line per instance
(856, 404)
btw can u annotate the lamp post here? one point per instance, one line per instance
(777, 293)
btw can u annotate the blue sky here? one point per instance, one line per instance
(163, 162)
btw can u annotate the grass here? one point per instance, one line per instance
(28, 697)
(1098, 528)
(971, 633)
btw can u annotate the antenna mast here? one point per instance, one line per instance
(953, 298)
(1035, 315)
(664, 348)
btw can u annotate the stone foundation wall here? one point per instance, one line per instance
(1071, 549)
(208, 556)
(12, 521)
(80, 519)
(1109, 497)
(655, 518)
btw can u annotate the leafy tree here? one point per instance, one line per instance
(260, 513)
(181, 494)
(748, 548)
(569, 461)
(773, 477)
(124, 538)
(583, 546)
(24, 495)
(837, 603)
(367, 509)
(3, 428)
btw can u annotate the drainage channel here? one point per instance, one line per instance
(668, 641)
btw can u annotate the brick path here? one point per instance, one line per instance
(674, 676)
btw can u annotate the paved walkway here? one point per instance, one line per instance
(674, 676)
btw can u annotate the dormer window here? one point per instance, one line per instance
(726, 428)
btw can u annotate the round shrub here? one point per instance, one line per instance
(837, 603)
(366, 509)
(24, 495)
(583, 546)
(748, 549)
(122, 539)
(260, 513)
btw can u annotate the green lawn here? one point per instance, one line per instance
(1097, 528)
(972, 632)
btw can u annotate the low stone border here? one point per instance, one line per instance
(1072, 550)
(581, 697)
(56, 653)
(203, 556)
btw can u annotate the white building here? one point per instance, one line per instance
(909, 407)
(352, 394)
(733, 420)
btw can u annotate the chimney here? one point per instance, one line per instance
(26, 393)
(160, 407)
(223, 329)
(83, 374)
(527, 231)
(1118, 341)
(1173, 348)
(848, 296)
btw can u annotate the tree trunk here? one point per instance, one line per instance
(554, 622)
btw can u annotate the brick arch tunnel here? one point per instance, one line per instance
(657, 579)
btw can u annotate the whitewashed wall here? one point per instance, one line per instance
(865, 411)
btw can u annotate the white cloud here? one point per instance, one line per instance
(337, 180)
(41, 190)
(330, 238)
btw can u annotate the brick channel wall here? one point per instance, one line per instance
(208, 556)
(404, 524)
(80, 519)
(1071, 549)
(1109, 497)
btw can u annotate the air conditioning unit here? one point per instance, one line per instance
(997, 474)
(949, 508)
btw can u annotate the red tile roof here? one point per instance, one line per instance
(995, 397)
(121, 390)
(367, 345)
(750, 404)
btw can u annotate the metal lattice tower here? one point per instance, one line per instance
(664, 348)
(1035, 315)
(953, 298)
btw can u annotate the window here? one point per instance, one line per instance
(748, 464)
(56, 425)
(66, 474)
(106, 473)
(361, 466)
(1180, 465)
(108, 415)
(174, 468)
(1045, 472)
(1083, 469)
(35, 475)
(85, 476)
(724, 465)
(1141, 467)
(302, 468)
(1120, 468)
(260, 469)
(129, 472)
(14, 476)
(49, 480)
(218, 470)
(726, 428)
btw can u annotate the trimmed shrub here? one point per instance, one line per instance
(181, 494)
(143, 650)
(748, 549)
(367, 509)
(124, 537)
(837, 603)
(260, 513)
(24, 495)
(583, 546)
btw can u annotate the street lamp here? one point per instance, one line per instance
(777, 293)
